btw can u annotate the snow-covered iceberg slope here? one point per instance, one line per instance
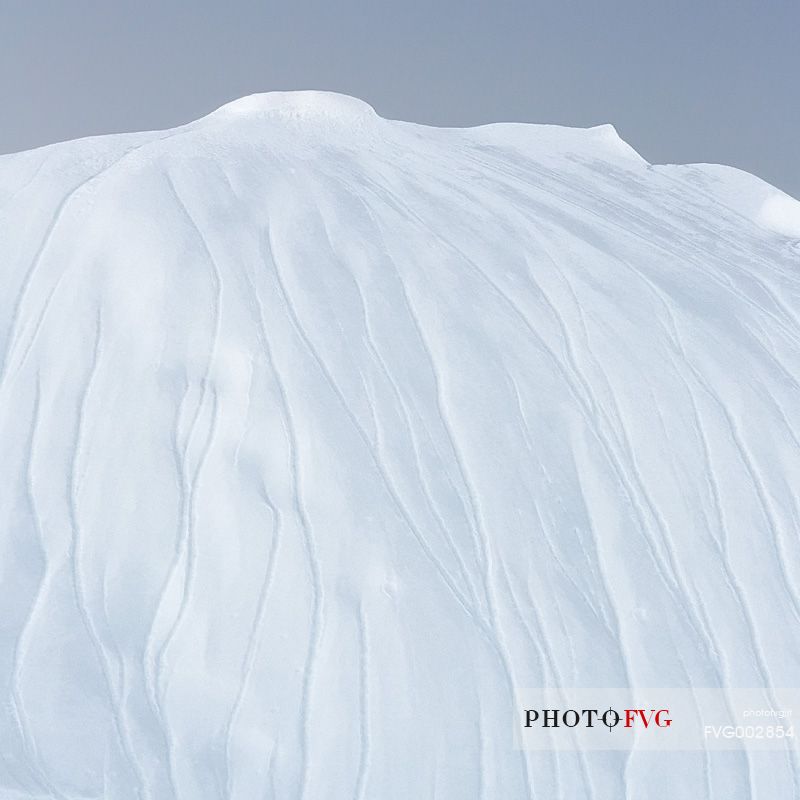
(322, 433)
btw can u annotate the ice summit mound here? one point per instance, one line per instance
(305, 105)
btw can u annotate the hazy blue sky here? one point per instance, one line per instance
(688, 80)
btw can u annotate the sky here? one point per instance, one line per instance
(681, 80)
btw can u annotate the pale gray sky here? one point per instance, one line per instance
(682, 80)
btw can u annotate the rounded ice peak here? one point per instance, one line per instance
(780, 213)
(307, 105)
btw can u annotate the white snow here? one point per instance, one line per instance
(322, 433)
(745, 194)
(781, 213)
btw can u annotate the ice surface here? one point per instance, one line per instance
(321, 433)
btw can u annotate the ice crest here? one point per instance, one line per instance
(310, 106)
